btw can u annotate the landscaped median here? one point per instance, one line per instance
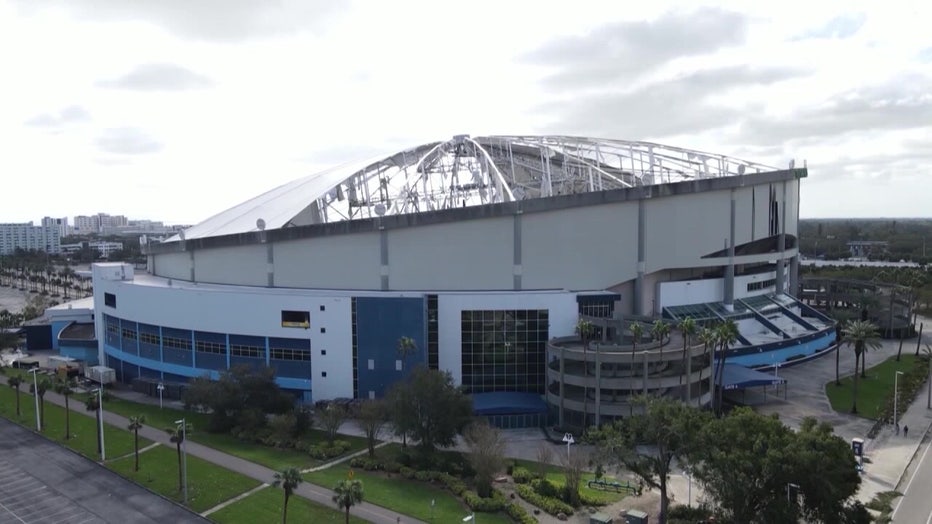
(875, 392)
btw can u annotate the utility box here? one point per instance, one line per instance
(100, 374)
(600, 518)
(857, 446)
(635, 516)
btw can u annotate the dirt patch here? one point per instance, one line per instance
(12, 299)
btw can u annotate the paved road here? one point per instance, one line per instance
(916, 506)
(43, 482)
(370, 512)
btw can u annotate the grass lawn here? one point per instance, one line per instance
(208, 484)
(118, 441)
(873, 391)
(272, 458)
(408, 497)
(555, 475)
(266, 506)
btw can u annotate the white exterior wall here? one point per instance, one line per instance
(563, 313)
(217, 265)
(172, 265)
(331, 262)
(479, 253)
(686, 292)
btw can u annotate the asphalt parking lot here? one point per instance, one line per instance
(41, 482)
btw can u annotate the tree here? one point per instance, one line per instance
(707, 338)
(331, 417)
(346, 494)
(687, 328)
(176, 435)
(637, 331)
(428, 406)
(65, 388)
(92, 403)
(288, 479)
(486, 447)
(14, 382)
(726, 335)
(859, 335)
(544, 457)
(406, 347)
(585, 330)
(371, 417)
(42, 386)
(816, 448)
(658, 331)
(647, 444)
(574, 465)
(135, 424)
(240, 398)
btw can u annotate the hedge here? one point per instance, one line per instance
(551, 505)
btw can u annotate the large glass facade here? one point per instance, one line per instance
(503, 350)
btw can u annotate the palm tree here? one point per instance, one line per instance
(585, 330)
(726, 334)
(92, 403)
(658, 331)
(288, 479)
(135, 424)
(347, 494)
(687, 328)
(41, 388)
(177, 434)
(14, 383)
(860, 335)
(64, 387)
(637, 331)
(406, 346)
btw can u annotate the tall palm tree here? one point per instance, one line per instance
(687, 328)
(658, 331)
(41, 388)
(726, 335)
(92, 403)
(176, 435)
(860, 335)
(288, 479)
(135, 424)
(637, 331)
(65, 387)
(585, 330)
(14, 382)
(347, 494)
(406, 346)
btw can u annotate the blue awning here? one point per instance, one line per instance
(507, 403)
(739, 377)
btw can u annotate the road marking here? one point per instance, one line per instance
(910, 483)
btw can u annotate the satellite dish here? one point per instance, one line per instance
(260, 223)
(380, 209)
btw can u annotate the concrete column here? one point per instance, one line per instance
(781, 245)
(193, 266)
(638, 299)
(562, 381)
(689, 372)
(644, 382)
(516, 258)
(270, 264)
(794, 276)
(729, 301)
(598, 389)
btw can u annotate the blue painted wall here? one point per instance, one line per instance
(768, 357)
(56, 329)
(380, 322)
(87, 354)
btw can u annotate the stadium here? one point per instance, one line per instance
(477, 256)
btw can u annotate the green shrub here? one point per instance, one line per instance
(496, 502)
(452, 484)
(406, 472)
(545, 488)
(519, 514)
(592, 499)
(330, 450)
(366, 463)
(689, 513)
(521, 475)
(551, 505)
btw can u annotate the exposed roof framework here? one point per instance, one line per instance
(466, 171)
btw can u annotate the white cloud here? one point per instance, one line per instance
(158, 77)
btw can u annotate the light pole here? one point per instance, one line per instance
(788, 486)
(35, 393)
(568, 438)
(100, 418)
(896, 394)
(184, 457)
(432, 502)
(161, 388)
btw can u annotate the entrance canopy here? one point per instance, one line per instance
(740, 377)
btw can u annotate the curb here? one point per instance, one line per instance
(912, 457)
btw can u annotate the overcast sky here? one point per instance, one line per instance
(175, 110)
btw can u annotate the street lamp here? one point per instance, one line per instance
(568, 438)
(184, 457)
(35, 392)
(161, 388)
(432, 503)
(100, 418)
(896, 394)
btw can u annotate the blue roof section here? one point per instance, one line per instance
(739, 377)
(507, 403)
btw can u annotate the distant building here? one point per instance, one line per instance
(61, 223)
(99, 223)
(103, 248)
(867, 248)
(27, 236)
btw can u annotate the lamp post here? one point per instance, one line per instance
(568, 438)
(100, 418)
(161, 388)
(184, 457)
(788, 486)
(432, 503)
(35, 393)
(896, 394)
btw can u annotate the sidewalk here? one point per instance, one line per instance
(323, 496)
